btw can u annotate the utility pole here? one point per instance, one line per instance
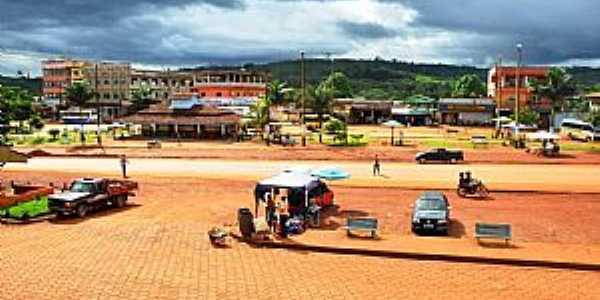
(330, 59)
(498, 85)
(302, 86)
(518, 83)
(96, 94)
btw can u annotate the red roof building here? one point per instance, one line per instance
(502, 85)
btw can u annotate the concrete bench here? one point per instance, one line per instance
(493, 231)
(368, 225)
(154, 144)
(479, 141)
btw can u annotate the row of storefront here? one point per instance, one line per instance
(419, 111)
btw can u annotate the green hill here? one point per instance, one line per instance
(34, 85)
(382, 79)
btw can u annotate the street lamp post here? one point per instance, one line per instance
(96, 95)
(518, 83)
(302, 86)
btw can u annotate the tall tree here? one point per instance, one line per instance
(556, 87)
(16, 103)
(468, 86)
(141, 98)
(79, 94)
(320, 100)
(339, 85)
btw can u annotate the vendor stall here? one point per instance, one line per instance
(293, 189)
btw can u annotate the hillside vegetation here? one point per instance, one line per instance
(372, 79)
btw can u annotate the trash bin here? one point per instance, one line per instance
(246, 222)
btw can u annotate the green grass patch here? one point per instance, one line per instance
(36, 140)
(584, 147)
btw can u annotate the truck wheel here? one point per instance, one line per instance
(82, 210)
(453, 161)
(588, 139)
(422, 161)
(121, 201)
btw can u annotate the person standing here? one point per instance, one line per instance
(271, 212)
(124, 162)
(376, 167)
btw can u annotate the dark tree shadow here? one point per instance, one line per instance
(496, 244)
(364, 236)
(457, 229)
(332, 218)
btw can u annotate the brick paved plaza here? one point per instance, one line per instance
(114, 257)
(155, 249)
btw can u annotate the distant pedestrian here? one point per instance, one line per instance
(376, 167)
(124, 162)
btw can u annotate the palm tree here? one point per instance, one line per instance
(322, 99)
(260, 111)
(276, 90)
(556, 87)
(79, 94)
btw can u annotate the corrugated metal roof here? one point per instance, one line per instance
(467, 101)
(184, 104)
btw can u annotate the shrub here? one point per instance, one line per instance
(54, 132)
(36, 122)
(37, 140)
(334, 126)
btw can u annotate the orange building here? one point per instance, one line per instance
(502, 85)
(229, 84)
(60, 73)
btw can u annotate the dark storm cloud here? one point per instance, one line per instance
(25, 14)
(366, 30)
(101, 29)
(552, 31)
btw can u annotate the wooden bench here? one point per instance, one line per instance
(365, 224)
(493, 231)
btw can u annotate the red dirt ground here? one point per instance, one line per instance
(547, 218)
(317, 152)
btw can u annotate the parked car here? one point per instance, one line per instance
(578, 130)
(431, 212)
(88, 194)
(440, 154)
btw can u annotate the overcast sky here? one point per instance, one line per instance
(160, 34)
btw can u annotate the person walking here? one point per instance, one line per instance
(124, 162)
(376, 167)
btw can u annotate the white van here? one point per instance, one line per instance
(577, 130)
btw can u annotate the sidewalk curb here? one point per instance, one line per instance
(479, 162)
(433, 257)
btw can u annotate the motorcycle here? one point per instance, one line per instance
(468, 186)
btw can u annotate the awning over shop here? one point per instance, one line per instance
(406, 111)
